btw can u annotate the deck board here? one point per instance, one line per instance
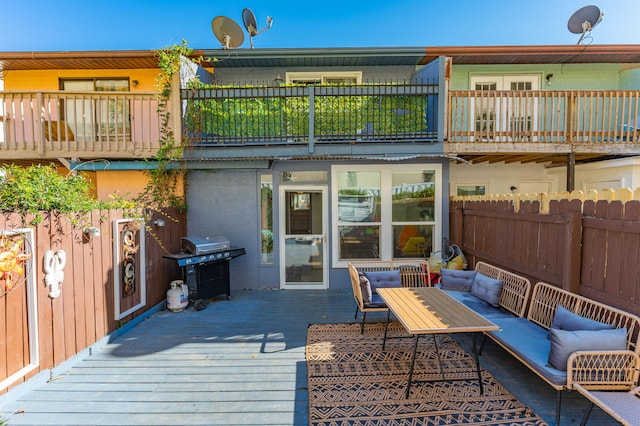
(237, 362)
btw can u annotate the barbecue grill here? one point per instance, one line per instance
(205, 266)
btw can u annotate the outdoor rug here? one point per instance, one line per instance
(352, 381)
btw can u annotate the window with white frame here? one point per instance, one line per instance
(324, 77)
(384, 212)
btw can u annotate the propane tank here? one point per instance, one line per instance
(177, 296)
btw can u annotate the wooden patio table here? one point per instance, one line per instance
(430, 310)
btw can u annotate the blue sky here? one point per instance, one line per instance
(66, 25)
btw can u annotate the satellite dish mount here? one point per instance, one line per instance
(228, 33)
(250, 24)
(584, 20)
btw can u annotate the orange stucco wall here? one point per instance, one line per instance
(127, 184)
(50, 80)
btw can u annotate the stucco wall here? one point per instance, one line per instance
(268, 75)
(565, 76)
(226, 203)
(49, 80)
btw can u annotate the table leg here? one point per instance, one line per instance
(413, 361)
(386, 327)
(475, 354)
(435, 345)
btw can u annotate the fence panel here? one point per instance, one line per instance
(589, 247)
(83, 310)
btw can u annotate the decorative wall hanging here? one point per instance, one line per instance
(18, 276)
(129, 273)
(13, 257)
(54, 262)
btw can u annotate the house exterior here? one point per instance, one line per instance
(309, 158)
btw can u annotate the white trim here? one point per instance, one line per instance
(386, 223)
(283, 234)
(321, 76)
(116, 269)
(32, 310)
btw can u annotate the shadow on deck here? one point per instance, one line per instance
(235, 362)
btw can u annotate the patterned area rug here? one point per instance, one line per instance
(352, 381)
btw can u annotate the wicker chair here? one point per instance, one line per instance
(611, 383)
(412, 274)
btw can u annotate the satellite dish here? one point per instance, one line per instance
(228, 33)
(584, 20)
(250, 24)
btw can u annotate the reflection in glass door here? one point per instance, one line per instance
(303, 219)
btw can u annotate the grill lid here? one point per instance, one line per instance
(202, 245)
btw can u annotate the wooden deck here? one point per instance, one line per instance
(235, 362)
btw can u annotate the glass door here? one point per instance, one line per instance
(303, 220)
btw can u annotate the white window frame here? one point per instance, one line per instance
(503, 109)
(322, 76)
(386, 223)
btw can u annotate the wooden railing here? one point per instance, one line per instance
(311, 114)
(544, 121)
(78, 124)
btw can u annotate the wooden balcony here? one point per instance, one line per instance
(57, 124)
(588, 122)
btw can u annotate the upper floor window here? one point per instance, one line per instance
(97, 117)
(325, 77)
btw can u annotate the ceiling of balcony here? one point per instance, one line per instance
(549, 159)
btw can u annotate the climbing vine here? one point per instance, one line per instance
(162, 190)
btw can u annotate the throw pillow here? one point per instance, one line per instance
(365, 289)
(565, 342)
(487, 289)
(458, 280)
(564, 319)
(379, 279)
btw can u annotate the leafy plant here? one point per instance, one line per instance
(31, 190)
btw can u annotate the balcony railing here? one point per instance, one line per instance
(310, 114)
(67, 124)
(598, 121)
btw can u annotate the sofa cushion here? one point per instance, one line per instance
(527, 341)
(487, 289)
(379, 279)
(564, 343)
(567, 320)
(458, 280)
(479, 306)
(365, 289)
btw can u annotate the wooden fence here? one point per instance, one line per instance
(42, 325)
(589, 247)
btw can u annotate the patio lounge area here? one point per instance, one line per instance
(236, 362)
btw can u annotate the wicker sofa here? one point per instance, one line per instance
(405, 273)
(514, 293)
(543, 348)
(568, 357)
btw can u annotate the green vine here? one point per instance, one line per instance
(36, 189)
(162, 190)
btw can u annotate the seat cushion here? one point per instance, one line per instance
(487, 288)
(376, 302)
(528, 341)
(457, 280)
(380, 279)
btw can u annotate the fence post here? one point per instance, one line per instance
(312, 135)
(573, 252)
